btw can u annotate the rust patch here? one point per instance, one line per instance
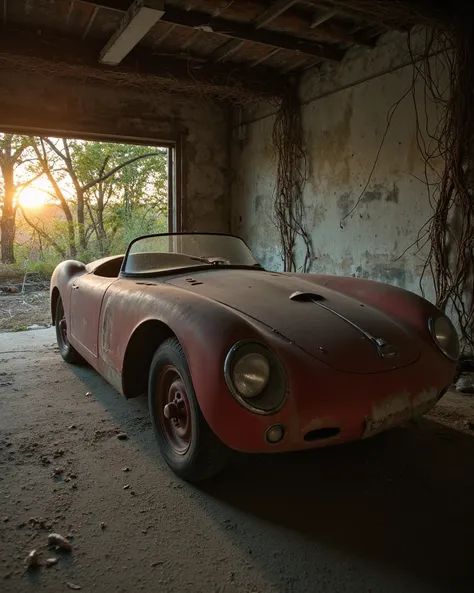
(399, 409)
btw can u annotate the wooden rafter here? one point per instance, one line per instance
(270, 13)
(240, 31)
(66, 56)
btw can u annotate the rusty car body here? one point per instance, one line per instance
(235, 357)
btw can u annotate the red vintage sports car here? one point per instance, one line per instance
(235, 357)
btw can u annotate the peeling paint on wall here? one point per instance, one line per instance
(343, 130)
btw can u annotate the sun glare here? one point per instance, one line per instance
(33, 197)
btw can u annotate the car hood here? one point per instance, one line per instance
(338, 330)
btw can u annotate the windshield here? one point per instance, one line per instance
(160, 253)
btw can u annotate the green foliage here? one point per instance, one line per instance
(19, 328)
(130, 202)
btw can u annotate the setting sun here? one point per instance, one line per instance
(33, 197)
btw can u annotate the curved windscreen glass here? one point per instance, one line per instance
(159, 253)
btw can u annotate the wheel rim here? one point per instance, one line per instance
(173, 410)
(62, 329)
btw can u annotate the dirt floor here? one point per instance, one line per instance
(20, 311)
(393, 513)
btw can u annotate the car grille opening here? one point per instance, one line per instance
(322, 433)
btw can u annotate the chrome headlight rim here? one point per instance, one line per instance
(432, 328)
(277, 383)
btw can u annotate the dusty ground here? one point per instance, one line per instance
(393, 513)
(18, 311)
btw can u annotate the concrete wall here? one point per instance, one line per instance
(48, 104)
(344, 116)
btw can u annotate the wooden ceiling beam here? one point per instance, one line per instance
(230, 47)
(297, 37)
(65, 56)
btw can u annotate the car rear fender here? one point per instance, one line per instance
(61, 279)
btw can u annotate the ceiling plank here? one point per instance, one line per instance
(246, 32)
(64, 55)
(138, 20)
(322, 18)
(263, 58)
(266, 17)
(90, 22)
(239, 30)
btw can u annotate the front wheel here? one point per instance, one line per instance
(68, 353)
(186, 441)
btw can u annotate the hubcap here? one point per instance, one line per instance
(173, 410)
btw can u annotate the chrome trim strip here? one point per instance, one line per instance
(378, 343)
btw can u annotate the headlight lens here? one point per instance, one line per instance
(445, 336)
(255, 377)
(251, 374)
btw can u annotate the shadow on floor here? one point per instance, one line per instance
(403, 500)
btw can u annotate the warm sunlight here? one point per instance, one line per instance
(33, 196)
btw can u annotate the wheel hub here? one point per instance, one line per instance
(174, 410)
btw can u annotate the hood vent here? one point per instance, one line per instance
(306, 296)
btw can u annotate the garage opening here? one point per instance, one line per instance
(79, 199)
(63, 198)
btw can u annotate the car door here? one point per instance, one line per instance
(86, 300)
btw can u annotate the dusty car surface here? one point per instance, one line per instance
(235, 357)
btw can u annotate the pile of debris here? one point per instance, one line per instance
(465, 375)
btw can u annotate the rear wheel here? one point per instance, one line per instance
(69, 353)
(186, 441)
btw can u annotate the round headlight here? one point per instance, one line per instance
(445, 336)
(251, 374)
(255, 377)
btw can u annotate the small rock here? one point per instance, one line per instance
(72, 427)
(6, 519)
(73, 586)
(88, 394)
(32, 560)
(21, 525)
(122, 436)
(54, 539)
(74, 486)
(126, 487)
(465, 383)
(103, 525)
(125, 469)
(51, 562)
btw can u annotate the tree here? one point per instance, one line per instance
(86, 171)
(47, 165)
(13, 154)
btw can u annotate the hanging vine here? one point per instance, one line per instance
(450, 231)
(287, 139)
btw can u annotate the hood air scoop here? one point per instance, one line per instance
(306, 296)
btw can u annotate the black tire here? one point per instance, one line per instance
(67, 351)
(201, 454)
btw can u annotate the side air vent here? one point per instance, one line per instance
(322, 433)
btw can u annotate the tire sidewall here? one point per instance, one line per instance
(165, 356)
(68, 353)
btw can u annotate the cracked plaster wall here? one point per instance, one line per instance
(343, 128)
